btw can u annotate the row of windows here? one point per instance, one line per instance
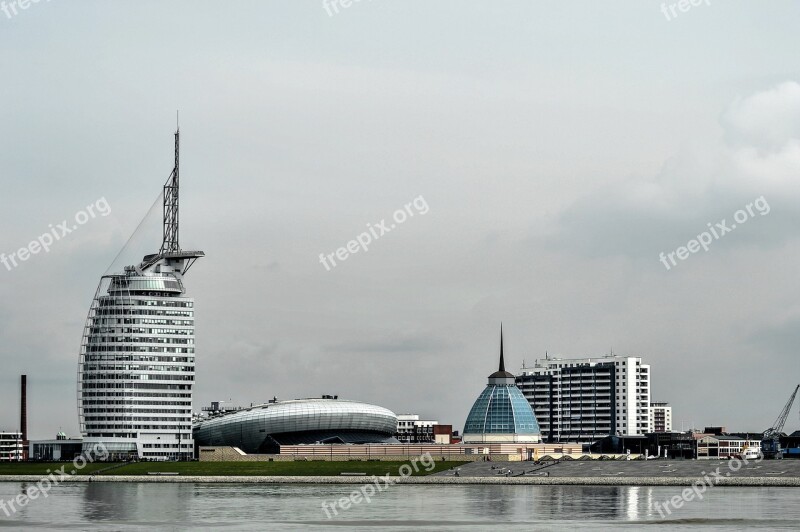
(137, 403)
(115, 311)
(140, 385)
(134, 377)
(168, 395)
(173, 428)
(96, 322)
(94, 331)
(137, 358)
(137, 349)
(133, 367)
(110, 302)
(139, 340)
(133, 411)
(160, 454)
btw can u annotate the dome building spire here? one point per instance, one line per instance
(502, 362)
(501, 376)
(501, 414)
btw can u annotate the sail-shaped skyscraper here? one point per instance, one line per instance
(136, 371)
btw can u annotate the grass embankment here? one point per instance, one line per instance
(45, 468)
(233, 468)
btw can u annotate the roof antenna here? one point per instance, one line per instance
(171, 189)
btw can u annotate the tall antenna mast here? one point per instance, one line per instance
(170, 243)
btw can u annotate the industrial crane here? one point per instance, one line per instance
(770, 440)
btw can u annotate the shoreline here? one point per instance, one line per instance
(430, 480)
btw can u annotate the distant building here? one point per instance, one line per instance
(791, 445)
(621, 445)
(443, 434)
(660, 417)
(655, 444)
(586, 399)
(60, 449)
(501, 414)
(265, 428)
(672, 444)
(724, 446)
(412, 429)
(11, 447)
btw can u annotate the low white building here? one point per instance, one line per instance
(412, 429)
(725, 446)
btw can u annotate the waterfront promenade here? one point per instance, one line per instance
(574, 472)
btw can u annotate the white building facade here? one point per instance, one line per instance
(137, 366)
(412, 429)
(10, 446)
(660, 417)
(583, 400)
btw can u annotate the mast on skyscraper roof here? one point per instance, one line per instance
(171, 244)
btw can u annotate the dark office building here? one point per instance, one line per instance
(575, 405)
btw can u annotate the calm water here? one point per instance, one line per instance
(111, 506)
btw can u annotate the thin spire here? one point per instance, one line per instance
(502, 362)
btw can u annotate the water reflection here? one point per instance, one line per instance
(133, 506)
(124, 501)
(520, 503)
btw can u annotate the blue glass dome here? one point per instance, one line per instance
(501, 412)
(501, 409)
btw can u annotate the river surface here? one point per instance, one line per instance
(137, 506)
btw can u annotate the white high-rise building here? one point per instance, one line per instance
(583, 400)
(660, 417)
(136, 371)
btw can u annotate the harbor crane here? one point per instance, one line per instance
(770, 440)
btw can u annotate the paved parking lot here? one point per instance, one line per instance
(634, 468)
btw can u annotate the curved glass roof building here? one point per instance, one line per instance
(263, 428)
(501, 414)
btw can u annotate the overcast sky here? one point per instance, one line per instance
(559, 147)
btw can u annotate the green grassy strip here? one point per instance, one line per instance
(300, 468)
(44, 468)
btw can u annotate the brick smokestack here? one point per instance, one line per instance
(23, 414)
